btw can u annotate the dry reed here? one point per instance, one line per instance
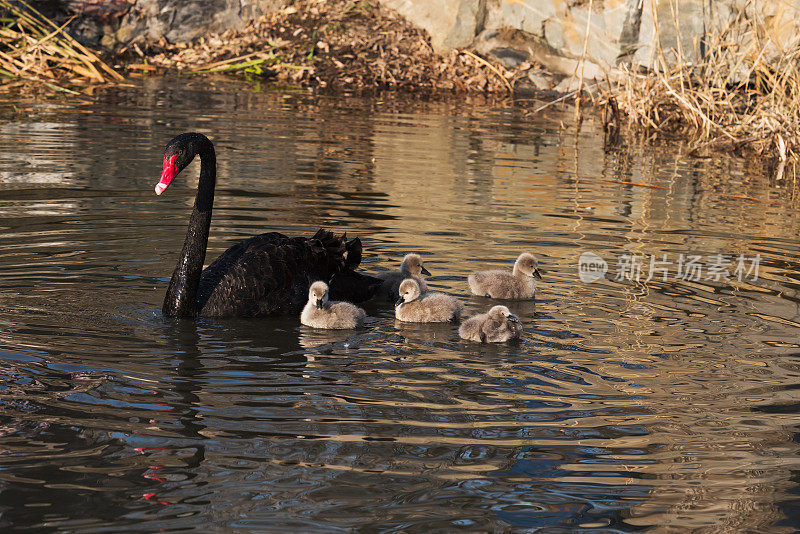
(33, 49)
(742, 95)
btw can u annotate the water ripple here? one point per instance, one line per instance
(628, 405)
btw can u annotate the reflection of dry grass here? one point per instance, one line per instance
(33, 49)
(743, 95)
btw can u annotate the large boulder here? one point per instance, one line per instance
(620, 32)
(114, 23)
(450, 23)
(185, 20)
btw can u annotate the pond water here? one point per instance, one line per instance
(669, 402)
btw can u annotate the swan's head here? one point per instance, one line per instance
(528, 264)
(412, 265)
(178, 154)
(318, 294)
(501, 313)
(409, 290)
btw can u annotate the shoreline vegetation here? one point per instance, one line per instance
(742, 97)
(733, 100)
(34, 51)
(339, 45)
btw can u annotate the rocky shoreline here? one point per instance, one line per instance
(411, 45)
(722, 74)
(336, 45)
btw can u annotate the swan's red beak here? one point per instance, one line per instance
(169, 172)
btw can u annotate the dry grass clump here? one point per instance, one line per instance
(337, 44)
(33, 49)
(743, 96)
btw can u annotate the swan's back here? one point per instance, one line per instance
(269, 274)
(432, 307)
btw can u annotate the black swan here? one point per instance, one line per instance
(268, 274)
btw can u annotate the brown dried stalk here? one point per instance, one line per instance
(34, 49)
(743, 95)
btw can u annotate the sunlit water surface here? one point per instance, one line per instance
(663, 403)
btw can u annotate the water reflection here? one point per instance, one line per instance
(626, 405)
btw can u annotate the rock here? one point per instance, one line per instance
(621, 32)
(557, 31)
(185, 20)
(510, 57)
(529, 15)
(541, 80)
(450, 23)
(567, 85)
(87, 32)
(551, 32)
(113, 23)
(691, 24)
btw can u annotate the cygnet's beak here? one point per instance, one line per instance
(537, 274)
(399, 301)
(319, 304)
(425, 271)
(513, 318)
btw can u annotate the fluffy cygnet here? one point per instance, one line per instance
(320, 313)
(411, 267)
(518, 284)
(431, 307)
(495, 326)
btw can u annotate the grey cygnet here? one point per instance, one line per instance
(431, 307)
(495, 326)
(319, 312)
(518, 284)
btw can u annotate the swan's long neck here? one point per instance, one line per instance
(182, 291)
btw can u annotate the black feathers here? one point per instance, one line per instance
(269, 274)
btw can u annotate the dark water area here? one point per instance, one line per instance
(666, 404)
